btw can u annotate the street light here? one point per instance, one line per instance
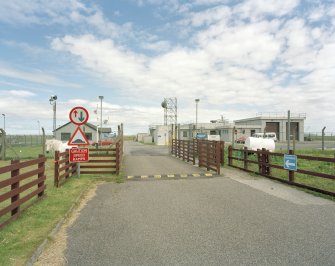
(101, 98)
(4, 122)
(38, 124)
(196, 115)
(52, 100)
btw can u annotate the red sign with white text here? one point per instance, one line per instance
(79, 155)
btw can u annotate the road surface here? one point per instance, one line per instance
(226, 220)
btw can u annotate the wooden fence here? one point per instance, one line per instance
(63, 168)
(101, 161)
(104, 160)
(266, 167)
(20, 187)
(210, 154)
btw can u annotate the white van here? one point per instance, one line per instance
(267, 135)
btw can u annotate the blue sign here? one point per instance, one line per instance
(201, 136)
(290, 162)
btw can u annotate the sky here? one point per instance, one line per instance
(239, 58)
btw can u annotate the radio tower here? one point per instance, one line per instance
(170, 111)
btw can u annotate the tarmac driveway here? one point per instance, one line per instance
(226, 220)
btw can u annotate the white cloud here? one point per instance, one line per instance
(255, 8)
(39, 12)
(35, 77)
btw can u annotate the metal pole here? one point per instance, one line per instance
(100, 97)
(4, 122)
(289, 130)
(323, 138)
(196, 116)
(54, 118)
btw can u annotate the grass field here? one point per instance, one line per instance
(314, 166)
(19, 239)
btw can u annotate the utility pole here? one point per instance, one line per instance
(196, 115)
(4, 122)
(289, 130)
(53, 101)
(101, 98)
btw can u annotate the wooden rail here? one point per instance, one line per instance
(210, 154)
(265, 167)
(20, 188)
(102, 161)
(63, 168)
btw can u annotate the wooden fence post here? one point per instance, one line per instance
(245, 158)
(222, 152)
(188, 150)
(230, 155)
(117, 159)
(291, 173)
(218, 157)
(260, 158)
(208, 152)
(263, 161)
(67, 163)
(56, 169)
(15, 185)
(41, 175)
(193, 151)
(172, 146)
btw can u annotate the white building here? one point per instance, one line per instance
(273, 122)
(65, 131)
(264, 122)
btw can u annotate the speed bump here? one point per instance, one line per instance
(169, 176)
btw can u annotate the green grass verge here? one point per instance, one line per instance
(314, 166)
(19, 239)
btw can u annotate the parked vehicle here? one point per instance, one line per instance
(103, 142)
(241, 139)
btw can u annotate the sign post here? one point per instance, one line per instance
(78, 116)
(290, 162)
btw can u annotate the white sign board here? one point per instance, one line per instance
(214, 137)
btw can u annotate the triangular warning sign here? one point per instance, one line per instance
(78, 138)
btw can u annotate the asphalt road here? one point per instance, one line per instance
(214, 221)
(142, 159)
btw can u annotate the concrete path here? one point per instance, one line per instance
(234, 219)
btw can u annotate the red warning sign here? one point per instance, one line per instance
(79, 155)
(78, 138)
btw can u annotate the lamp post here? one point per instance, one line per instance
(53, 100)
(4, 122)
(38, 125)
(101, 98)
(196, 115)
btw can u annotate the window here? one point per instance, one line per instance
(224, 131)
(212, 132)
(88, 136)
(65, 136)
(185, 134)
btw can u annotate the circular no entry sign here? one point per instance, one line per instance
(78, 115)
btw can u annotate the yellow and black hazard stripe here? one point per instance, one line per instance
(169, 176)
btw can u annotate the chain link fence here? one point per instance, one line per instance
(311, 136)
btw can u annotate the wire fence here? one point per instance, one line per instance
(310, 136)
(25, 140)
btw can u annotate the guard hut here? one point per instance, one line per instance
(65, 131)
(274, 122)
